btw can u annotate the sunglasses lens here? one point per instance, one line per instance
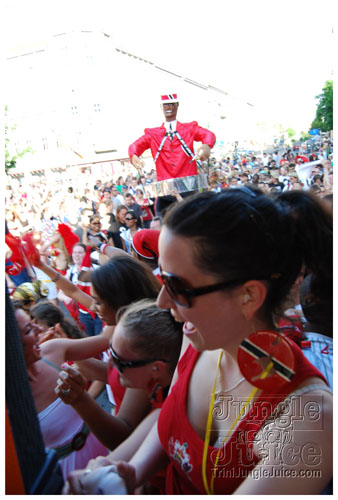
(176, 289)
(115, 360)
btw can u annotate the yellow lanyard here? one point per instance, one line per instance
(210, 490)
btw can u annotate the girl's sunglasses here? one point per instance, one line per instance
(182, 295)
(122, 364)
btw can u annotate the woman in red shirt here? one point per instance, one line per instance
(145, 203)
(237, 420)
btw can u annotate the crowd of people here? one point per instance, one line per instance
(42, 204)
(204, 323)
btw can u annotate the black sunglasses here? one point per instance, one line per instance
(182, 295)
(130, 218)
(122, 364)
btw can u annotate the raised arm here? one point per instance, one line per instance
(33, 256)
(67, 286)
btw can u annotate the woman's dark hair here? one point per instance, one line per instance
(315, 188)
(153, 332)
(93, 217)
(259, 237)
(136, 217)
(317, 311)
(316, 177)
(314, 222)
(123, 280)
(51, 315)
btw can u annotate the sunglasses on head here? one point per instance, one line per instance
(122, 364)
(182, 295)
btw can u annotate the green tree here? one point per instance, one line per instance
(291, 132)
(324, 113)
(10, 158)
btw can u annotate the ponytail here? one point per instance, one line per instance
(313, 223)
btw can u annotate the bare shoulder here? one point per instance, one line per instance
(296, 442)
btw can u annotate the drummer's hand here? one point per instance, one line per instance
(137, 163)
(70, 385)
(203, 152)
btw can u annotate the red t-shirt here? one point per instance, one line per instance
(117, 389)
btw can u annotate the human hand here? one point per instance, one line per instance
(203, 152)
(176, 194)
(54, 332)
(137, 163)
(128, 474)
(103, 480)
(93, 242)
(70, 385)
(96, 463)
(73, 485)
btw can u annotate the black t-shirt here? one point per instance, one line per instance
(114, 233)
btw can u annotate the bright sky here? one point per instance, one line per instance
(275, 54)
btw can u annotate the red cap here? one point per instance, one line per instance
(145, 243)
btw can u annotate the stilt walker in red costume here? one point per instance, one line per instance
(173, 152)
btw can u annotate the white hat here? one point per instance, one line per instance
(169, 98)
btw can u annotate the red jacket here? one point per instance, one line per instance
(172, 161)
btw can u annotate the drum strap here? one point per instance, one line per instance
(185, 147)
(161, 146)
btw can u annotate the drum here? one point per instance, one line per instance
(179, 184)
